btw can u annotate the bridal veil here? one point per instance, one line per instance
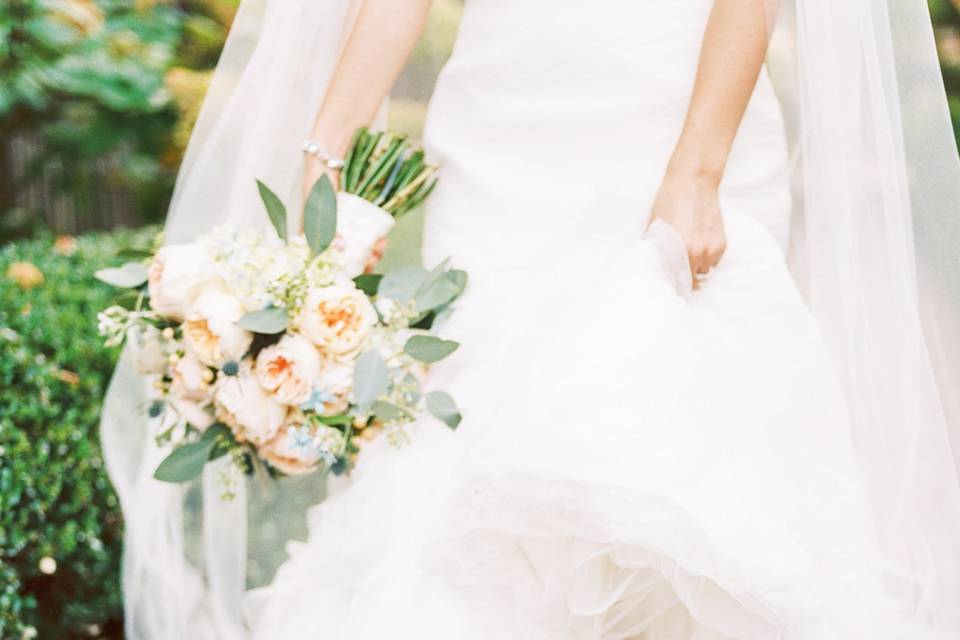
(874, 249)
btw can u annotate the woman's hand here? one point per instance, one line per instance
(691, 205)
(734, 47)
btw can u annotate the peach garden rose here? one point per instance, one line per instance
(247, 408)
(290, 369)
(211, 331)
(337, 319)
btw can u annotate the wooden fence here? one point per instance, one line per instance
(29, 193)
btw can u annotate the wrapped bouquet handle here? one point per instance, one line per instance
(361, 227)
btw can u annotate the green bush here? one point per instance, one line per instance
(56, 504)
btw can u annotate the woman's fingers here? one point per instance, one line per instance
(704, 255)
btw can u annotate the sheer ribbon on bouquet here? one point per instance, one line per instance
(874, 249)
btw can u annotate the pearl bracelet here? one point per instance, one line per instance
(313, 148)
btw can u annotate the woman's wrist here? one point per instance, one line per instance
(696, 164)
(699, 156)
(333, 137)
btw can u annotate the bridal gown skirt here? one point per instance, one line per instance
(633, 462)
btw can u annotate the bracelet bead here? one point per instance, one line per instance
(313, 148)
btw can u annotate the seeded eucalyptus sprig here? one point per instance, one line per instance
(385, 169)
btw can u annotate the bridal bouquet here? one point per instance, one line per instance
(277, 349)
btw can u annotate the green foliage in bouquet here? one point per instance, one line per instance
(384, 169)
(390, 317)
(60, 526)
(426, 295)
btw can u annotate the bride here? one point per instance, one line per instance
(764, 454)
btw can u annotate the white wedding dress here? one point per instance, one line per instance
(633, 462)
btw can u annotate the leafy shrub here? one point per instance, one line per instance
(60, 525)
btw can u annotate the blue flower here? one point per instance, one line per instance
(302, 439)
(318, 400)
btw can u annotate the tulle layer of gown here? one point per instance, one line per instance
(633, 463)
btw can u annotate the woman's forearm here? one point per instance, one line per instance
(734, 48)
(382, 39)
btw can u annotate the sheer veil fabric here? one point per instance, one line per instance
(873, 247)
(875, 252)
(186, 564)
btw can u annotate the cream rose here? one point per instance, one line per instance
(177, 276)
(337, 379)
(247, 408)
(211, 332)
(297, 449)
(289, 369)
(332, 395)
(337, 319)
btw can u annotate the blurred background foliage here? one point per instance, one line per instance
(946, 18)
(97, 100)
(98, 97)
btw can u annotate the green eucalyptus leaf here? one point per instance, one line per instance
(433, 289)
(369, 283)
(370, 379)
(320, 215)
(429, 349)
(402, 284)
(433, 275)
(223, 437)
(388, 412)
(441, 316)
(269, 321)
(441, 405)
(275, 210)
(442, 292)
(458, 277)
(129, 276)
(186, 462)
